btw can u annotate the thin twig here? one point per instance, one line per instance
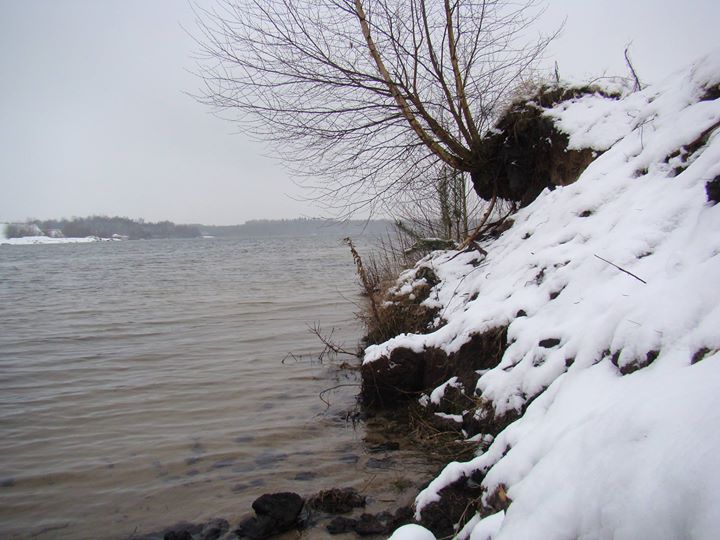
(638, 84)
(321, 394)
(478, 229)
(327, 341)
(621, 269)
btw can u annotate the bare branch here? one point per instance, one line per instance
(366, 99)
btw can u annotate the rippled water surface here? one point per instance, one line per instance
(146, 382)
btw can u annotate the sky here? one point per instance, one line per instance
(95, 116)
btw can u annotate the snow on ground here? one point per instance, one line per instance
(619, 270)
(27, 240)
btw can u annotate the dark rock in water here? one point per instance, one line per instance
(268, 460)
(223, 463)
(372, 524)
(388, 446)
(365, 525)
(374, 463)
(275, 514)
(403, 516)
(369, 524)
(198, 448)
(305, 476)
(7, 482)
(242, 439)
(337, 501)
(349, 458)
(341, 525)
(283, 507)
(182, 531)
(180, 535)
(253, 528)
(214, 529)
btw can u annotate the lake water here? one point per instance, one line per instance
(147, 382)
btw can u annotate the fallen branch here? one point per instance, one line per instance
(621, 269)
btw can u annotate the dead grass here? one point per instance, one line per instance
(385, 315)
(441, 444)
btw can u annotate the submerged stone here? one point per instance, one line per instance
(276, 513)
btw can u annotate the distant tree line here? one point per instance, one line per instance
(103, 227)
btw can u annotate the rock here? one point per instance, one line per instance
(269, 460)
(403, 516)
(388, 446)
(7, 482)
(375, 463)
(223, 463)
(349, 458)
(341, 525)
(180, 535)
(365, 525)
(337, 501)
(305, 476)
(370, 524)
(254, 528)
(275, 513)
(214, 529)
(181, 531)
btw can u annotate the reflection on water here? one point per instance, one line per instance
(142, 383)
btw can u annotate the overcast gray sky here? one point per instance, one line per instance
(94, 118)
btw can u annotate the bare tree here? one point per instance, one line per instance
(368, 99)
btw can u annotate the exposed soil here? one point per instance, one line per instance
(526, 153)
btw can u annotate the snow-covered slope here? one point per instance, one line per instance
(610, 289)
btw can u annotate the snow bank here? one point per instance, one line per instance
(610, 290)
(28, 240)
